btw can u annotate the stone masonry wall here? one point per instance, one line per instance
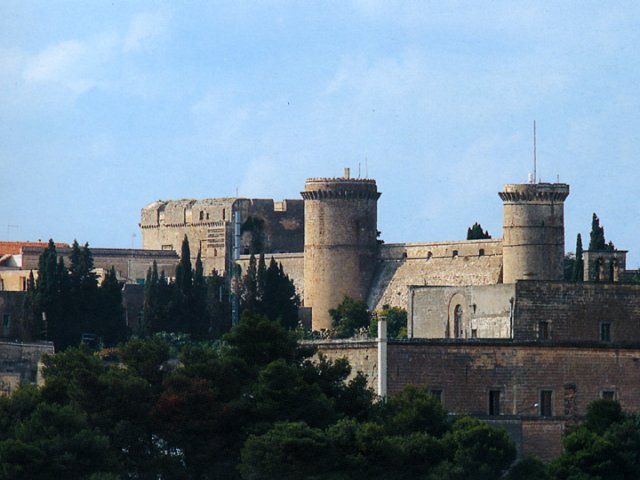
(19, 363)
(576, 311)
(361, 354)
(486, 311)
(473, 262)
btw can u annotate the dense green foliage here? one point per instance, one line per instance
(253, 406)
(475, 232)
(192, 303)
(349, 318)
(269, 291)
(67, 303)
(396, 318)
(606, 445)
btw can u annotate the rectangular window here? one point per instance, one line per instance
(494, 402)
(608, 394)
(167, 247)
(545, 403)
(474, 333)
(605, 331)
(436, 393)
(543, 330)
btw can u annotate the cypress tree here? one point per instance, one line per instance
(250, 286)
(475, 232)
(596, 237)
(578, 266)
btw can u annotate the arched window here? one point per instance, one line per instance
(454, 254)
(457, 321)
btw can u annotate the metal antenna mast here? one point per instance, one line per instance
(535, 174)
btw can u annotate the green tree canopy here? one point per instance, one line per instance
(475, 232)
(349, 317)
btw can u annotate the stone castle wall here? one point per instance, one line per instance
(19, 363)
(471, 262)
(576, 311)
(208, 224)
(484, 311)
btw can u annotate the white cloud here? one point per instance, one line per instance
(54, 62)
(144, 29)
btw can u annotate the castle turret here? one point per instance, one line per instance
(533, 231)
(340, 242)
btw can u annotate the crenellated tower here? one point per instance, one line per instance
(533, 231)
(340, 242)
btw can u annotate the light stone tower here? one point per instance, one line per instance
(340, 242)
(533, 231)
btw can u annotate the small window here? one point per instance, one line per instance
(436, 393)
(481, 252)
(474, 333)
(24, 283)
(429, 255)
(608, 394)
(167, 247)
(207, 215)
(605, 331)
(201, 215)
(404, 254)
(543, 330)
(494, 402)
(454, 254)
(224, 214)
(6, 320)
(546, 403)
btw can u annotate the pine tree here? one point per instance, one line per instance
(578, 266)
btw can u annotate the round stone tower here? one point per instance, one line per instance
(340, 242)
(533, 231)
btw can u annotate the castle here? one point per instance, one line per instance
(494, 330)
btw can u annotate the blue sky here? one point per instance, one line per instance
(106, 106)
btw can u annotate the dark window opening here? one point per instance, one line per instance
(474, 333)
(436, 393)
(481, 252)
(429, 255)
(545, 403)
(605, 332)
(543, 330)
(201, 215)
(608, 394)
(454, 254)
(494, 402)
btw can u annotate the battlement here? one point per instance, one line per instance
(321, 188)
(531, 192)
